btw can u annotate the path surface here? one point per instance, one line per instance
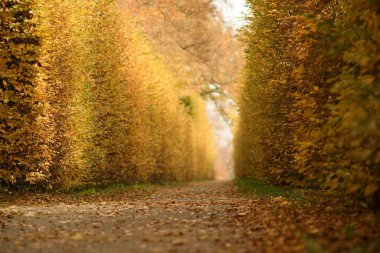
(201, 217)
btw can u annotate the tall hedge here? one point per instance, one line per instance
(23, 157)
(309, 107)
(85, 100)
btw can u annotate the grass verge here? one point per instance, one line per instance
(114, 192)
(262, 189)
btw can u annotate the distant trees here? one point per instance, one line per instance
(200, 48)
(85, 100)
(310, 104)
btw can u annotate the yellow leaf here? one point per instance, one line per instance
(370, 189)
(368, 79)
(77, 236)
(354, 188)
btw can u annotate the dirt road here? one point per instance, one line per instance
(200, 217)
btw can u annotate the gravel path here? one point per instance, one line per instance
(200, 217)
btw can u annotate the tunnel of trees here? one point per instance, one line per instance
(97, 92)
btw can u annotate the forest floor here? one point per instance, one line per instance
(196, 217)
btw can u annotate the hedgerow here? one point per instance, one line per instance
(85, 100)
(310, 104)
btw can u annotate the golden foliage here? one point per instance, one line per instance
(310, 103)
(22, 146)
(198, 46)
(86, 100)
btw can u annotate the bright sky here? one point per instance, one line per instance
(233, 11)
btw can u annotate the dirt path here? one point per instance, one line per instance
(201, 217)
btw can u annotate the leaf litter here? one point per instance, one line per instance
(199, 217)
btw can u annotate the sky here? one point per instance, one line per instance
(233, 11)
(223, 141)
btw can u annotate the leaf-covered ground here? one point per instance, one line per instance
(199, 217)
